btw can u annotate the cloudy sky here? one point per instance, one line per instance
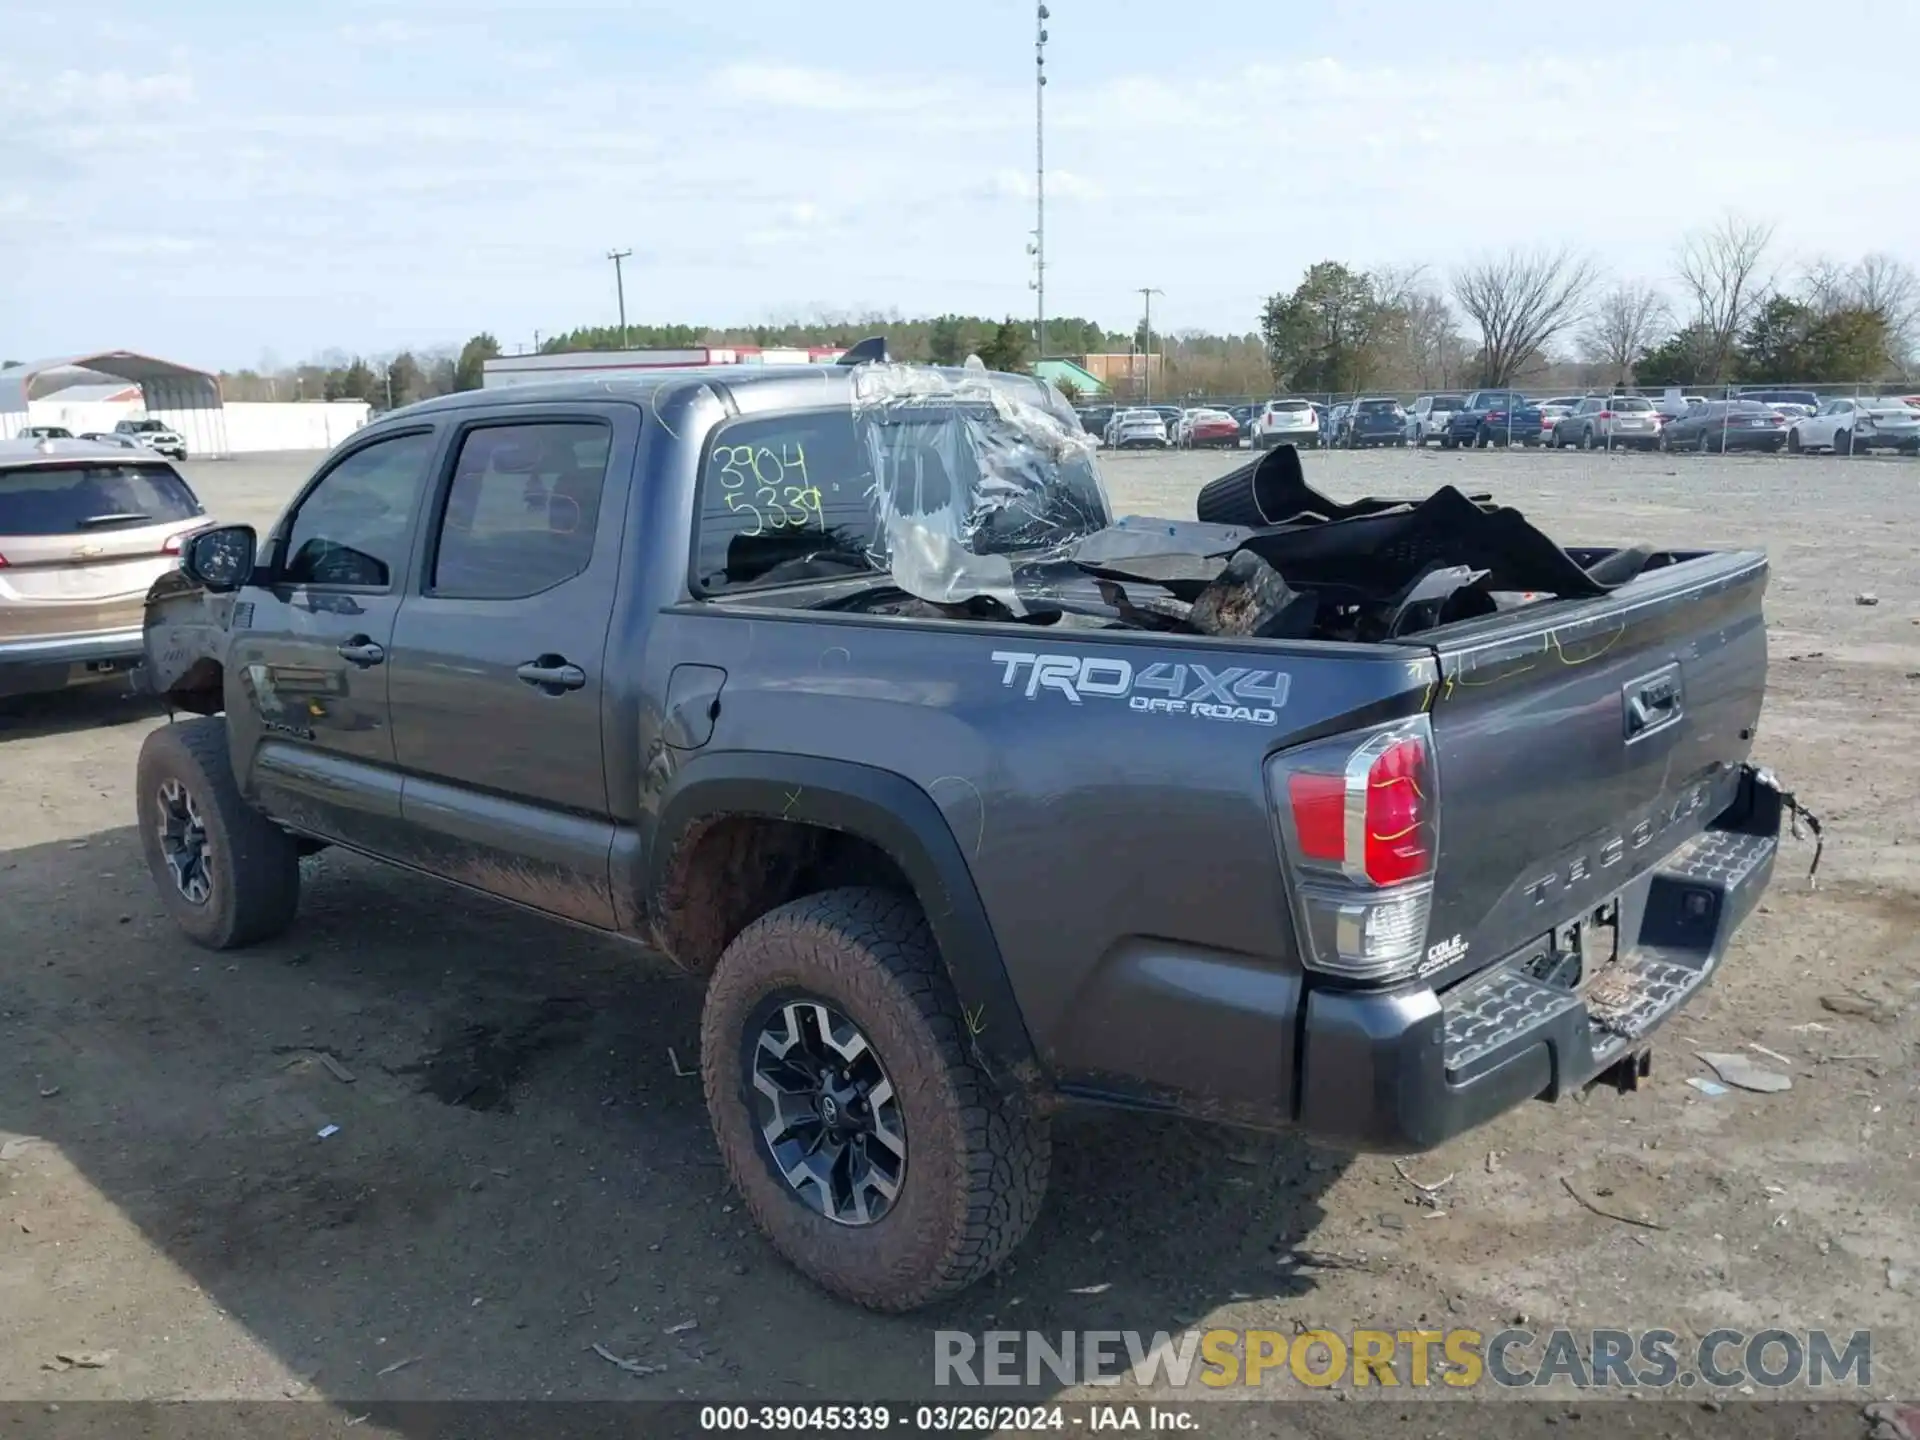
(214, 181)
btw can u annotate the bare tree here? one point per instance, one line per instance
(1890, 289)
(1628, 319)
(1722, 270)
(1421, 341)
(1520, 301)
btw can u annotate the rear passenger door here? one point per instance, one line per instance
(498, 666)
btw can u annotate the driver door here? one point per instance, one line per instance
(306, 677)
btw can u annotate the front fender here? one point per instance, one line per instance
(186, 629)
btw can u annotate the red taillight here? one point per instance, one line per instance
(3, 562)
(1320, 815)
(1359, 831)
(1373, 818)
(1396, 828)
(1604, 415)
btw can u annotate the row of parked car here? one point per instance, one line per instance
(149, 434)
(1755, 419)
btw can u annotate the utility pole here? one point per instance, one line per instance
(1038, 249)
(620, 289)
(1147, 292)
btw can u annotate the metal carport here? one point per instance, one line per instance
(186, 399)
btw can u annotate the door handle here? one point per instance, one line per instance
(553, 674)
(362, 651)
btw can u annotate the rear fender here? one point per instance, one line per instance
(896, 816)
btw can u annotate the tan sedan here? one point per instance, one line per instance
(84, 531)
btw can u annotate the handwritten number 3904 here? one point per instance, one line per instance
(759, 481)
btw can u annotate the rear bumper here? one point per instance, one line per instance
(1408, 1070)
(53, 663)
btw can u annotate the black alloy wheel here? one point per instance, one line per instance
(826, 1109)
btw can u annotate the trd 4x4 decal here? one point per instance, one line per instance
(1233, 692)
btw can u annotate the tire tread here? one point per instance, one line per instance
(878, 945)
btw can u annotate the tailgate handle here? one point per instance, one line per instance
(1653, 702)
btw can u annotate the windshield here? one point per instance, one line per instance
(934, 482)
(1629, 406)
(65, 499)
(1379, 407)
(1290, 406)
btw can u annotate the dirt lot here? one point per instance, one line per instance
(521, 1172)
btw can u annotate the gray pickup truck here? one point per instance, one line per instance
(842, 687)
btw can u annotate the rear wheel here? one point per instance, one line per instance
(226, 874)
(869, 1145)
(1586, 438)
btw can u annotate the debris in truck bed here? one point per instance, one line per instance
(1250, 598)
(1268, 557)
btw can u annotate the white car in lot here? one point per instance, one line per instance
(1134, 429)
(156, 435)
(1857, 425)
(1286, 422)
(1427, 418)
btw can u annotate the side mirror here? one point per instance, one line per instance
(221, 558)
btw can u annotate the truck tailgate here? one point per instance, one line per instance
(1579, 744)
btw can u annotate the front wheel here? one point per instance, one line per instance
(870, 1146)
(226, 873)
(1843, 442)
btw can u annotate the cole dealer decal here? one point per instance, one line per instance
(1235, 693)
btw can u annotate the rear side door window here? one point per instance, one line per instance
(352, 530)
(522, 510)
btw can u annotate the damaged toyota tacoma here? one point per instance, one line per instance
(842, 687)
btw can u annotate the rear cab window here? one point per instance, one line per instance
(75, 499)
(823, 494)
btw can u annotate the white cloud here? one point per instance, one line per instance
(144, 245)
(1011, 184)
(384, 32)
(794, 87)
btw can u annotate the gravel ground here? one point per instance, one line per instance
(177, 1210)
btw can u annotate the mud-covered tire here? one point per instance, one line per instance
(976, 1158)
(252, 865)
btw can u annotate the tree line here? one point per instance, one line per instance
(1730, 310)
